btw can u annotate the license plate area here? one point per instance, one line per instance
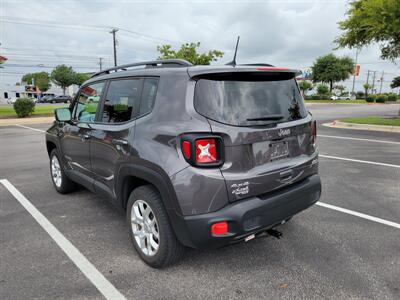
(279, 150)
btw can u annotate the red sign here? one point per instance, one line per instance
(356, 70)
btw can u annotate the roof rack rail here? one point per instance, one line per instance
(148, 64)
(260, 64)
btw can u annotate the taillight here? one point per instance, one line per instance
(202, 151)
(206, 151)
(314, 130)
(186, 149)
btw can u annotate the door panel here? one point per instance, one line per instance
(76, 135)
(108, 149)
(113, 131)
(75, 144)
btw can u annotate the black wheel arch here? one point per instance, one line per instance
(141, 174)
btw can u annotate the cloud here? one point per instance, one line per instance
(289, 33)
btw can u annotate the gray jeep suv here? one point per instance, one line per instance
(196, 156)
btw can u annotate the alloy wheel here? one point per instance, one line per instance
(145, 228)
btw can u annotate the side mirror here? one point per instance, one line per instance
(63, 114)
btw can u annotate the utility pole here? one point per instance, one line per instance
(380, 88)
(355, 73)
(373, 82)
(101, 63)
(114, 31)
(368, 77)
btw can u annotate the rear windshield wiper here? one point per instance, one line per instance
(268, 118)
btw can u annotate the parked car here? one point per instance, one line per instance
(346, 97)
(12, 100)
(196, 156)
(58, 99)
(46, 99)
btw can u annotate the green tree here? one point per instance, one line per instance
(189, 52)
(63, 76)
(40, 79)
(331, 69)
(80, 78)
(372, 21)
(305, 86)
(395, 82)
(322, 89)
(366, 87)
(340, 88)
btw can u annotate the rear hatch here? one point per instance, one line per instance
(266, 129)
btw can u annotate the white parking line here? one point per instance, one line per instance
(27, 127)
(358, 139)
(360, 215)
(360, 161)
(100, 282)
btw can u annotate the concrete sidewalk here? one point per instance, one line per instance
(370, 127)
(34, 120)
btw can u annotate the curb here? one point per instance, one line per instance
(38, 120)
(343, 125)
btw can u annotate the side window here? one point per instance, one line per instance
(121, 100)
(88, 100)
(148, 95)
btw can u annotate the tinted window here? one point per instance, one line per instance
(148, 95)
(121, 100)
(234, 102)
(88, 101)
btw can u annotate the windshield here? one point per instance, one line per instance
(249, 103)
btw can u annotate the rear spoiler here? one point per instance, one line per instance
(203, 71)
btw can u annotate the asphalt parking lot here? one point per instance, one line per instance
(324, 253)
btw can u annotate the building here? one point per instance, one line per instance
(12, 91)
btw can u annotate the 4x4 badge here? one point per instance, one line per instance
(240, 188)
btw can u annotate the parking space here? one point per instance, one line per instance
(324, 253)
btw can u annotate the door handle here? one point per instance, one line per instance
(85, 137)
(120, 142)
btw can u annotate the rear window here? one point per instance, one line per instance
(243, 102)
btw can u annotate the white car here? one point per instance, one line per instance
(348, 97)
(12, 100)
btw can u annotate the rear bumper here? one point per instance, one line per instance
(250, 215)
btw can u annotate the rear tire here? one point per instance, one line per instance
(150, 230)
(61, 182)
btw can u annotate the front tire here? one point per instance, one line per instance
(150, 230)
(61, 182)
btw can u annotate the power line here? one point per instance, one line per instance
(9, 19)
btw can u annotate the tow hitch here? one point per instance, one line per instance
(275, 233)
(272, 232)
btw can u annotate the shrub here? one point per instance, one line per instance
(324, 97)
(380, 98)
(315, 97)
(360, 95)
(322, 89)
(392, 97)
(370, 98)
(307, 97)
(24, 107)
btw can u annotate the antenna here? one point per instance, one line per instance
(233, 62)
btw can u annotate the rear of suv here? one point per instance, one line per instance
(196, 156)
